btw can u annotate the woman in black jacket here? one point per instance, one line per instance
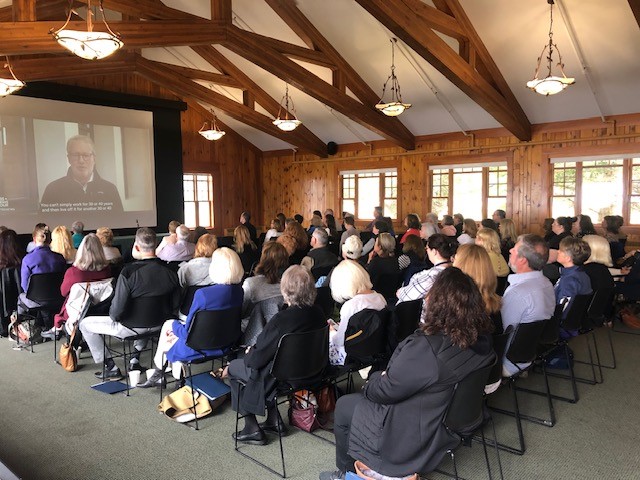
(395, 426)
(299, 292)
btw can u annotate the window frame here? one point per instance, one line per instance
(197, 201)
(383, 174)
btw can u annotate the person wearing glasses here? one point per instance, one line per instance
(82, 184)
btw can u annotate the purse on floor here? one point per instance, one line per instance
(179, 405)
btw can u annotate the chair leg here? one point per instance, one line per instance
(518, 417)
(284, 472)
(193, 395)
(126, 363)
(613, 353)
(495, 444)
(486, 454)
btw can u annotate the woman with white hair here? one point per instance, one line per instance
(350, 284)
(226, 273)
(90, 265)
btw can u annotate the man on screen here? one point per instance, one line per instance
(82, 184)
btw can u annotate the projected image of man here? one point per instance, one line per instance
(82, 184)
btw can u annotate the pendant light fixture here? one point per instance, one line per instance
(287, 124)
(210, 130)
(551, 84)
(88, 44)
(9, 83)
(395, 106)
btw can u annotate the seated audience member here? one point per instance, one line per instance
(583, 226)
(226, 273)
(266, 281)
(198, 232)
(319, 257)
(447, 226)
(508, 237)
(597, 265)
(195, 272)
(89, 266)
(489, 223)
(349, 230)
(40, 260)
(529, 296)
(245, 248)
(379, 226)
(332, 228)
(413, 225)
(111, 253)
(561, 228)
(62, 243)
(31, 245)
(171, 238)
(245, 219)
(409, 400)
(148, 276)
(316, 222)
(78, 233)
(350, 285)
(10, 251)
(180, 251)
(469, 231)
(412, 259)
(283, 220)
(498, 216)
(351, 250)
(572, 254)
(429, 226)
(301, 241)
(616, 239)
(490, 241)
(382, 263)
(548, 231)
(298, 218)
(301, 316)
(378, 214)
(475, 262)
(274, 231)
(440, 250)
(458, 220)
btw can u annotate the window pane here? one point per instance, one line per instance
(190, 214)
(188, 188)
(368, 196)
(601, 191)
(391, 207)
(635, 210)
(467, 193)
(494, 204)
(563, 207)
(349, 206)
(204, 214)
(440, 206)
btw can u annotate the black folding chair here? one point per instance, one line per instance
(387, 285)
(325, 301)
(466, 415)
(299, 363)
(9, 291)
(43, 289)
(523, 349)
(600, 309)
(187, 298)
(217, 330)
(405, 318)
(318, 272)
(142, 312)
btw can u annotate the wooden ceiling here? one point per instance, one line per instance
(458, 61)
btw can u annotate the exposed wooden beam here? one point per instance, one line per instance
(400, 20)
(24, 10)
(635, 8)
(148, 9)
(195, 74)
(18, 38)
(295, 51)
(185, 87)
(289, 71)
(221, 10)
(45, 10)
(65, 67)
(254, 93)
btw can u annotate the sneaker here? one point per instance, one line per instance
(52, 333)
(335, 475)
(110, 375)
(136, 366)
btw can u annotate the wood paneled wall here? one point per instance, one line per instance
(233, 162)
(303, 183)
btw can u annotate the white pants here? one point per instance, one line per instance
(165, 342)
(94, 327)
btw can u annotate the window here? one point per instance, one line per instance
(596, 186)
(364, 190)
(476, 191)
(198, 199)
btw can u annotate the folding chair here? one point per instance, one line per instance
(405, 318)
(299, 363)
(217, 330)
(43, 289)
(9, 291)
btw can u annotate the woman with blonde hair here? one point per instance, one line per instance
(598, 263)
(275, 230)
(469, 231)
(245, 248)
(383, 265)
(196, 270)
(226, 274)
(508, 235)
(350, 284)
(490, 241)
(111, 253)
(62, 243)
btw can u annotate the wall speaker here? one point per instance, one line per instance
(332, 148)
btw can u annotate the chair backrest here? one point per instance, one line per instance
(325, 301)
(174, 265)
(10, 286)
(301, 356)
(148, 312)
(577, 312)
(318, 272)
(405, 318)
(551, 330)
(44, 288)
(387, 284)
(366, 335)
(214, 329)
(600, 305)
(501, 285)
(187, 298)
(499, 346)
(465, 413)
(524, 345)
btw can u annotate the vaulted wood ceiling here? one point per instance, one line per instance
(462, 63)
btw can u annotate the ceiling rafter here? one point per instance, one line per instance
(292, 73)
(196, 74)
(401, 20)
(291, 50)
(635, 8)
(148, 10)
(184, 87)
